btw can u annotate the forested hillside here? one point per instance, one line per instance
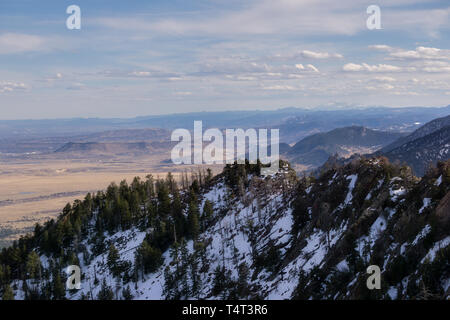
(242, 236)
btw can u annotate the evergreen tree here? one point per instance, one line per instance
(182, 276)
(148, 259)
(242, 285)
(272, 258)
(8, 293)
(171, 183)
(105, 292)
(193, 220)
(178, 217)
(195, 276)
(59, 291)
(208, 177)
(170, 292)
(220, 281)
(33, 265)
(113, 258)
(208, 212)
(126, 294)
(163, 200)
(195, 187)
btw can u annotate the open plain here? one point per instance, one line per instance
(35, 189)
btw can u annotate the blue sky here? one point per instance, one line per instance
(134, 58)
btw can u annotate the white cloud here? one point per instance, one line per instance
(427, 21)
(145, 74)
(18, 43)
(381, 68)
(385, 79)
(352, 67)
(183, 93)
(387, 86)
(421, 53)
(279, 88)
(9, 86)
(436, 69)
(293, 17)
(405, 93)
(254, 18)
(140, 73)
(381, 47)
(76, 86)
(313, 68)
(309, 67)
(319, 55)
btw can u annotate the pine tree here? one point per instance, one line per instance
(193, 220)
(8, 293)
(220, 281)
(242, 286)
(113, 258)
(33, 265)
(163, 200)
(272, 258)
(208, 211)
(195, 276)
(126, 293)
(148, 259)
(178, 217)
(59, 291)
(171, 183)
(150, 186)
(208, 177)
(169, 291)
(105, 292)
(195, 187)
(183, 272)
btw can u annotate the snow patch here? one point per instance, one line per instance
(438, 181)
(431, 255)
(426, 203)
(426, 230)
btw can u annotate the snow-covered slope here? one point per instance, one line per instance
(281, 238)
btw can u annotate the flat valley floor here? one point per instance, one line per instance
(36, 189)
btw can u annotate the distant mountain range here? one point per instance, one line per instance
(419, 150)
(116, 148)
(426, 129)
(294, 123)
(301, 125)
(317, 134)
(314, 150)
(425, 146)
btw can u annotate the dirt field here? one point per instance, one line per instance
(34, 190)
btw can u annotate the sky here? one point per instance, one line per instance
(134, 58)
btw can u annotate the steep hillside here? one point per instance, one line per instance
(424, 151)
(240, 236)
(316, 149)
(426, 129)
